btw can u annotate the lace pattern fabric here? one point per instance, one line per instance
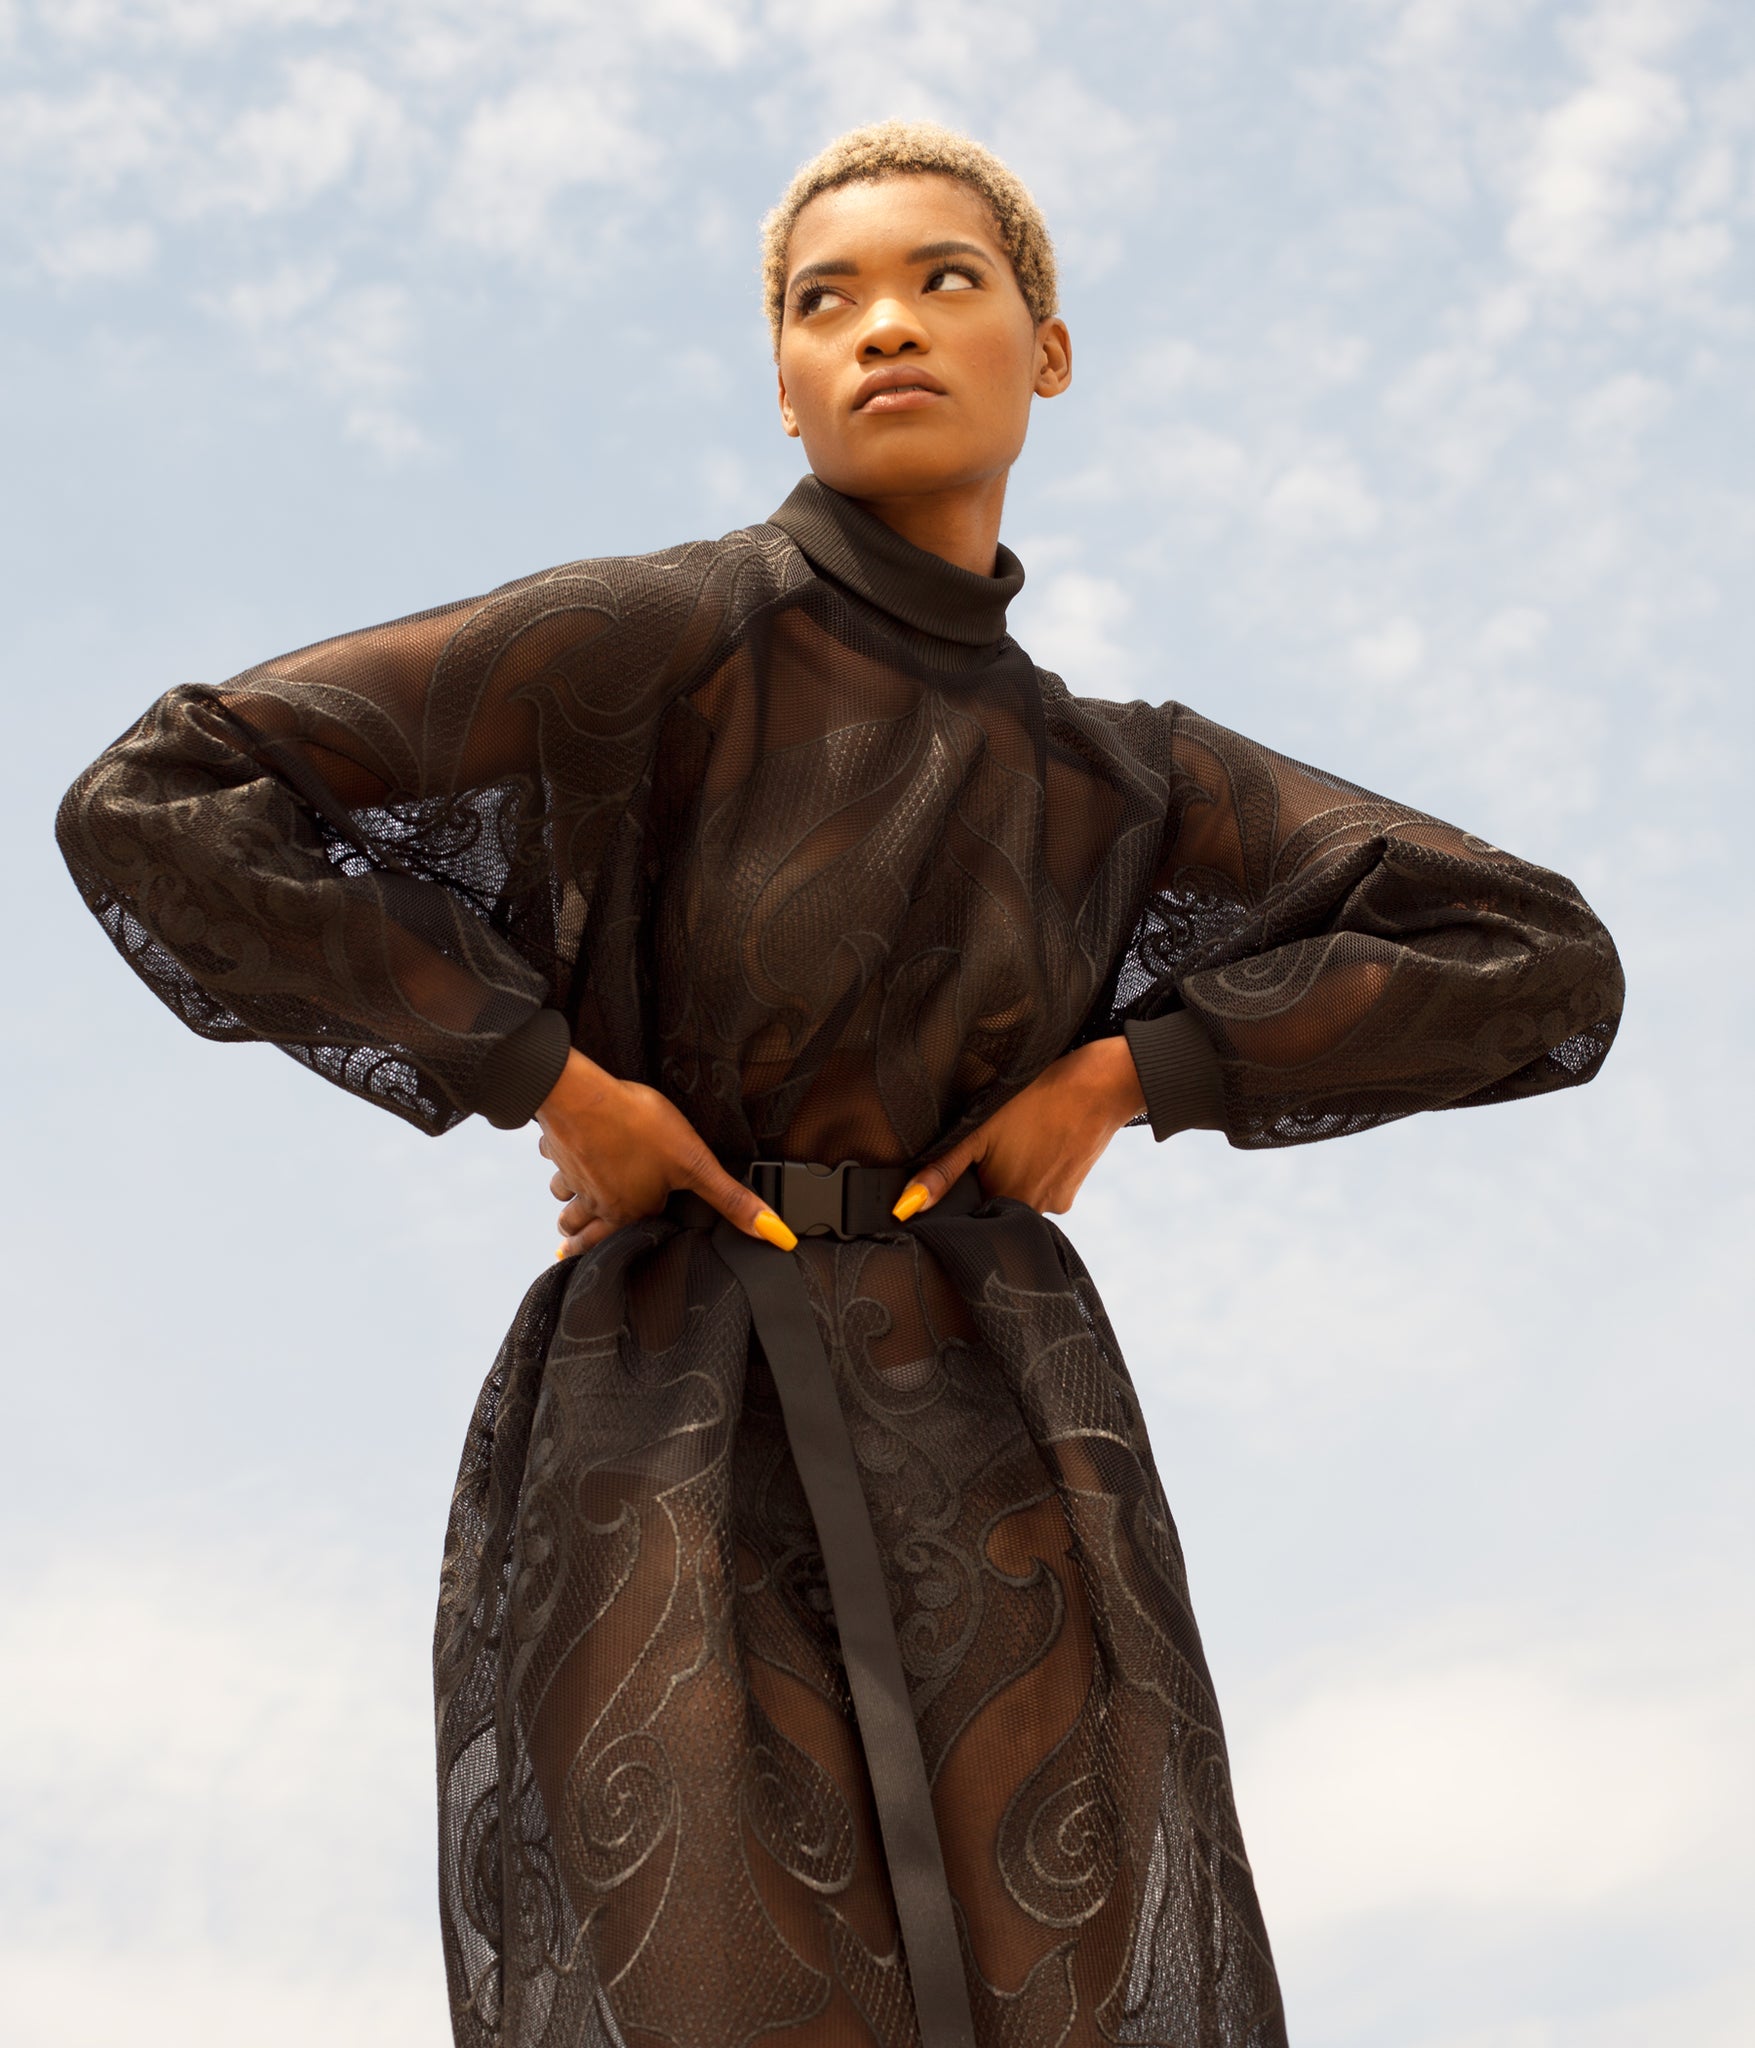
(660, 1676)
(839, 881)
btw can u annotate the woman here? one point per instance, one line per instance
(814, 1657)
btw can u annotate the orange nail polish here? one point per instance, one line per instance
(560, 1251)
(768, 1225)
(911, 1202)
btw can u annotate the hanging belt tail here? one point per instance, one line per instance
(822, 1450)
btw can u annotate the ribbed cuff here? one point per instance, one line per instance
(1179, 1074)
(521, 1069)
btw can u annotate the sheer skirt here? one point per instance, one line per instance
(655, 1820)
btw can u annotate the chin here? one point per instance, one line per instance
(902, 471)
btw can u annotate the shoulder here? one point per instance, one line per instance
(753, 563)
(1142, 733)
(659, 610)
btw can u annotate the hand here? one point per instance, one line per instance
(1040, 1146)
(619, 1149)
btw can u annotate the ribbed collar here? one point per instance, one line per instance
(876, 563)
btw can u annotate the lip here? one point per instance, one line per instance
(897, 387)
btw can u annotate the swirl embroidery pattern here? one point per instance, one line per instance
(840, 886)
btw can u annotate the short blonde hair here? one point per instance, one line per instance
(891, 149)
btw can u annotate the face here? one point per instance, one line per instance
(908, 358)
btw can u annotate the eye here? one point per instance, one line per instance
(813, 297)
(954, 277)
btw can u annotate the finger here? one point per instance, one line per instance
(579, 1241)
(542, 1146)
(561, 1188)
(580, 1211)
(736, 1202)
(930, 1183)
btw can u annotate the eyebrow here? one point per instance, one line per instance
(833, 266)
(844, 266)
(930, 251)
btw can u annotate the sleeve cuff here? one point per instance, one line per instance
(521, 1069)
(1179, 1074)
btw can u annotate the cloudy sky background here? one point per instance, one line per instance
(1411, 434)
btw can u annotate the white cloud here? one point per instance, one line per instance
(1323, 498)
(1457, 407)
(1389, 653)
(1466, 329)
(1619, 32)
(727, 479)
(1079, 153)
(939, 59)
(522, 151)
(118, 250)
(1708, 184)
(1192, 463)
(80, 1995)
(1618, 411)
(218, 1795)
(189, 24)
(1505, 1783)
(362, 346)
(214, 1766)
(91, 140)
(1330, 359)
(1595, 188)
(1164, 369)
(1072, 630)
(389, 434)
(331, 119)
(1511, 634)
(356, 345)
(1710, 2015)
(1503, 314)
(268, 304)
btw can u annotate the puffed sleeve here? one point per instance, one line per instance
(370, 852)
(1314, 960)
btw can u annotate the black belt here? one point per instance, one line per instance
(854, 1201)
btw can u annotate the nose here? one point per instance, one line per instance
(891, 330)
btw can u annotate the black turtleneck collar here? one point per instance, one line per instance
(876, 563)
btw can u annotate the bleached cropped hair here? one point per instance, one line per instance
(889, 149)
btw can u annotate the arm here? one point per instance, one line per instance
(1039, 1146)
(1350, 960)
(352, 851)
(1311, 960)
(375, 853)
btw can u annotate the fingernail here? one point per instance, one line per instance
(560, 1251)
(768, 1225)
(913, 1199)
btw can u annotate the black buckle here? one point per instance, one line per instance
(809, 1199)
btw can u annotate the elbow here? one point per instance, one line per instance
(1597, 989)
(1602, 997)
(1575, 1027)
(1611, 985)
(80, 834)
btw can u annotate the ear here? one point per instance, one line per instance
(1053, 358)
(788, 419)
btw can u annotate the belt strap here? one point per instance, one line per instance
(848, 1200)
(822, 1450)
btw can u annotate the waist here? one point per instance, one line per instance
(815, 1200)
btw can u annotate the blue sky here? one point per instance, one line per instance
(1410, 433)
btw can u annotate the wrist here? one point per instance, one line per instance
(1115, 1080)
(1179, 1073)
(581, 1086)
(522, 1067)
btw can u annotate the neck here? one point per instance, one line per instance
(959, 525)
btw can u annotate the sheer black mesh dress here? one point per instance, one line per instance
(786, 826)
